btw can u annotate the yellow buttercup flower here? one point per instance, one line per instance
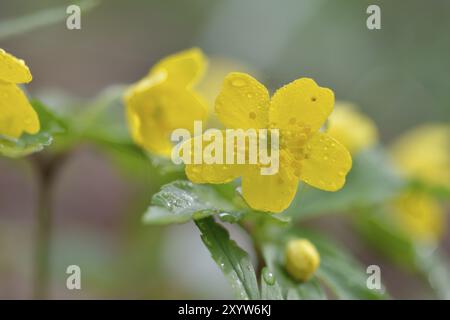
(353, 129)
(165, 100)
(16, 113)
(420, 216)
(297, 110)
(302, 259)
(424, 153)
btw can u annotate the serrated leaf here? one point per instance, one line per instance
(371, 180)
(231, 259)
(27, 144)
(181, 201)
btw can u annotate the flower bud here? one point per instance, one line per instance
(302, 259)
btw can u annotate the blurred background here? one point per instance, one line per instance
(399, 76)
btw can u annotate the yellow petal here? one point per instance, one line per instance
(155, 111)
(327, 163)
(271, 193)
(424, 153)
(16, 113)
(210, 171)
(243, 102)
(420, 216)
(182, 69)
(12, 69)
(301, 103)
(351, 128)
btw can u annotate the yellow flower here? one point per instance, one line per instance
(302, 259)
(298, 110)
(218, 69)
(424, 153)
(353, 129)
(16, 113)
(420, 216)
(165, 100)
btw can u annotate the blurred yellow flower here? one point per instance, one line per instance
(302, 259)
(352, 128)
(165, 100)
(16, 113)
(297, 110)
(424, 153)
(420, 216)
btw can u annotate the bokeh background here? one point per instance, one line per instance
(398, 75)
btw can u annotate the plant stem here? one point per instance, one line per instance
(46, 167)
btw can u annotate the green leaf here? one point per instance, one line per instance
(181, 201)
(380, 230)
(338, 271)
(270, 289)
(232, 260)
(371, 180)
(27, 144)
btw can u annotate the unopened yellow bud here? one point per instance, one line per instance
(302, 259)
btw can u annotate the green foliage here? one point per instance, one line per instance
(181, 201)
(232, 260)
(270, 289)
(51, 125)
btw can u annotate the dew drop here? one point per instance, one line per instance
(268, 277)
(252, 115)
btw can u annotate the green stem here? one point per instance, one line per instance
(46, 167)
(43, 241)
